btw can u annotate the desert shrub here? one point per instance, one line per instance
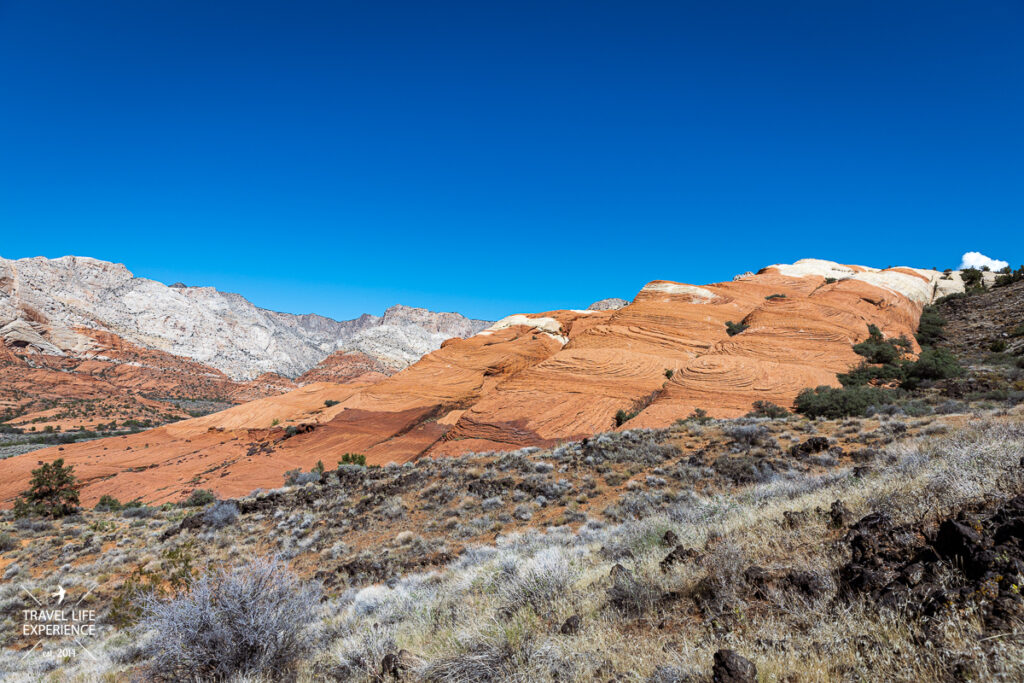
(700, 416)
(107, 503)
(832, 403)
(775, 296)
(877, 349)
(971, 278)
(8, 542)
(52, 492)
(830, 280)
(767, 409)
(732, 329)
(198, 498)
(173, 574)
(632, 594)
(669, 372)
(997, 346)
(622, 417)
(491, 656)
(540, 581)
(934, 363)
(951, 297)
(1008, 277)
(930, 326)
(916, 408)
(950, 407)
(138, 511)
(891, 410)
(353, 459)
(220, 515)
(866, 373)
(253, 620)
(643, 446)
(328, 403)
(747, 435)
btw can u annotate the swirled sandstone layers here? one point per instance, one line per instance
(534, 379)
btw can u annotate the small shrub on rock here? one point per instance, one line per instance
(353, 459)
(733, 328)
(622, 417)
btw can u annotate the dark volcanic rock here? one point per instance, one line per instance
(732, 668)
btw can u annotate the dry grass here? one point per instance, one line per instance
(760, 582)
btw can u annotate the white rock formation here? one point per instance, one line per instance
(935, 283)
(43, 301)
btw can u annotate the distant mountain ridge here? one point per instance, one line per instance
(45, 303)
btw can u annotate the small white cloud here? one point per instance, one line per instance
(975, 259)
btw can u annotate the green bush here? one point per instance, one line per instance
(775, 296)
(700, 416)
(328, 403)
(951, 297)
(767, 409)
(199, 498)
(732, 329)
(108, 503)
(833, 403)
(934, 364)
(52, 492)
(623, 417)
(352, 459)
(971, 278)
(866, 373)
(997, 346)
(1008, 277)
(877, 349)
(669, 372)
(8, 542)
(929, 329)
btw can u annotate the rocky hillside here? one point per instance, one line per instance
(53, 307)
(716, 550)
(536, 380)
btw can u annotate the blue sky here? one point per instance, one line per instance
(491, 158)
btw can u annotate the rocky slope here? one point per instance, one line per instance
(48, 306)
(744, 550)
(536, 380)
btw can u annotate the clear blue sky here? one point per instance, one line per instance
(490, 158)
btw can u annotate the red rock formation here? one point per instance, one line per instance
(347, 366)
(530, 380)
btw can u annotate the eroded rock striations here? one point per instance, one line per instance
(536, 380)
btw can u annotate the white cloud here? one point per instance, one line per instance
(975, 259)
